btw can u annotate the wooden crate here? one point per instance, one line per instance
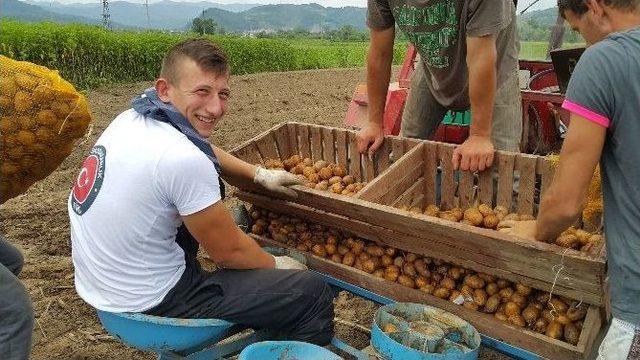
(485, 323)
(404, 172)
(318, 142)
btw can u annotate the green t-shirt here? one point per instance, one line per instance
(605, 89)
(438, 29)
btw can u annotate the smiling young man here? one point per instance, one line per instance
(150, 193)
(604, 100)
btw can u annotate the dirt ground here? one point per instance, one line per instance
(37, 222)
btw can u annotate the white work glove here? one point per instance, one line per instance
(277, 180)
(285, 262)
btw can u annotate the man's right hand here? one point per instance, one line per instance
(370, 138)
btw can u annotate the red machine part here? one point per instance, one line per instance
(541, 113)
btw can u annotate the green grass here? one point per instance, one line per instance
(537, 50)
(89, 56)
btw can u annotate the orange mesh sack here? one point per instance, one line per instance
(41, 117)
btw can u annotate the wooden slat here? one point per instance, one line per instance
(303, 140)
(368, 166)
(397, 148)
(292, 130)
(383, 156)
(582, 275)
(328, 145)
(281, 135)
(267, 146)
(484, 323)
(505, 162)
(546, 170)
(316, 143)
(448, 184)
(411, 196)
(430, 166)
(485, 186)
(466, 190)
(250, 154)
(394, 183)
(526, 166)
(342, 148)
(590, 328)
(355, 163)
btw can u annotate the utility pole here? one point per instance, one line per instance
(106, 18)
(146, 6)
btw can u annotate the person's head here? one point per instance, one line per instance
(195, 79)
(595, 19)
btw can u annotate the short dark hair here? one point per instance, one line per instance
(579, 7)
(204, 52)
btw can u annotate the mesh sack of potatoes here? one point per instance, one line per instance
(41, 116)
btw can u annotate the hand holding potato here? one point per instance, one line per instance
(277, 180)
(523, 229)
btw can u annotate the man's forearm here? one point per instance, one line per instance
(378, 75)
(234, 167)
(481, 64)
(556, 214)
(247, 255)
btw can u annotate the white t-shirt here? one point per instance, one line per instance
(125, 208)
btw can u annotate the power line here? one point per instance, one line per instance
(146, 6)
(106, 18)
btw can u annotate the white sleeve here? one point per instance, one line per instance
(187, 179)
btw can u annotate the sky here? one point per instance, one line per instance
(542, 4)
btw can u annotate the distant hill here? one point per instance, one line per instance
(21, 10)
(312, 17)
(546, 17)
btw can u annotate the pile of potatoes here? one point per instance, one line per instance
(517, 304)
(40, 117)
(486, 217)
(319, 175)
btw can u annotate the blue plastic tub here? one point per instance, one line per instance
(286, 350)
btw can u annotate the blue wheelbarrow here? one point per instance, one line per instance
(171, 338)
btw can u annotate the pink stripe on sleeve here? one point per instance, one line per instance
(586, 113)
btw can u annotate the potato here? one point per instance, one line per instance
(428, 289)
(596, 239)
(540, 325)
(500, 211)
(530, 314)
(386, 260)
(349, 180)
(506, 293)
(421, 281)
(325, 173)
(257, 229)
(523, 289)
(520, 300)
(369, 266)
(474, 281)
(486, 277)
(319, 250)
(448, 283)
(485, 210)
(442, 293)
(502, 283)
(492, 304)
(578, 313)
(421, 268)
(442, 269)
(467, 291)
(491, 221)
(398, 261)
(511, 216)
(558, 305)
(302, 247)
(511, 308)
(567, 241)
(358, 265)
(479, 297)
(357, 248)
(337, 188)
(432, 210)
(415, 210)
(457, 213)
(436, 277)
(571, 333)
(470, 305)
(474, 216)
(516, 320)
(348, 259)
(554, 330)
(500, 316)
(374, 250)
(455, 273)
(318, 165)
(391, 273)
(363, 256)
(527, 217)
(409, 269)
(453, 297)
(447, 215)
(330, 249)
(491, 289)
(379, 273)
(562, 319)
(307, 162)
(406, 281)
(323, 185)
(339, 170)
(336, 258)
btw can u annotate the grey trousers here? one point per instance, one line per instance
(16, 313)
(296, 304)
(422, 112)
